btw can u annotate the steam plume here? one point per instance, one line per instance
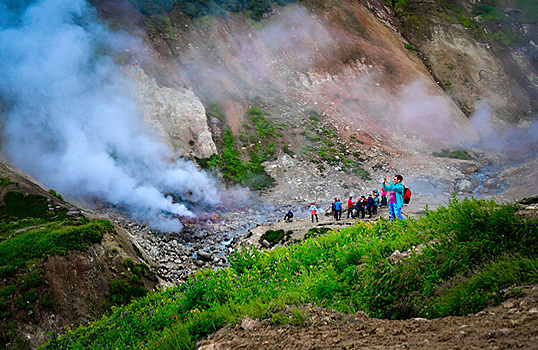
(68, 119)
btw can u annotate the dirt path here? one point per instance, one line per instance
(300, 226)
(514, 324)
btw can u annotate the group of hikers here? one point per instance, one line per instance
(369, 205)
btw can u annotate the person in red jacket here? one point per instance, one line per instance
(349, 206)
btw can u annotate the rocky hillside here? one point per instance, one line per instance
(332, 96)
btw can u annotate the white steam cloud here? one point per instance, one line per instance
(516, 142)
(69, 121)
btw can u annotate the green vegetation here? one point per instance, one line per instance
(276, 236)
(161, 24)
(410, 47)
(316, 231)
(19, 205)
(5, 182)
(465, 21)
(500, 25)
(487, 9)
(457, 154)
(29, 232)
(49, 239)
(322, 147)
(264, 127)
(196, 8)
(232, 164)
(466, 253)
(56, 194)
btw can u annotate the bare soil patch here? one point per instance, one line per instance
(513, 324)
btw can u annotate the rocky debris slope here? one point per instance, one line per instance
(513, 324)
(204, 241)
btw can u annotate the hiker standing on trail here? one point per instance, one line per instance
(314, 212)
(383, 199)
(361, 206)
(376, 204)
(349, 207)
(333, 208)
(396, 191)
(370, 205)
(338, 209)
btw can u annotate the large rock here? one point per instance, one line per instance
(176, 113)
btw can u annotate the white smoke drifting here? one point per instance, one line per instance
(516, 142)
(69, 122)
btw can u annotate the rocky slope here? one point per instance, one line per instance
(353, 91)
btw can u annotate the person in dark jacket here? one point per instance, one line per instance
(383, 200)
(289, 216)
(370, 205)
(334, 209)
(361, 206)
(376, 204)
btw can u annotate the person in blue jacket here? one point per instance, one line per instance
(396, 191)
(338, 209)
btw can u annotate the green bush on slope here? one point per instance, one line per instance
(470, 250)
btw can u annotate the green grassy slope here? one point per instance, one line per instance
(462, 256)
(36, 226)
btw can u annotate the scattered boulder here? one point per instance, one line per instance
(465, 185)
(205, 255)
(249, 324)
(214, 217)
(468, 167)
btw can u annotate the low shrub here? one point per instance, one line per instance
(456, 154)
(273, 236)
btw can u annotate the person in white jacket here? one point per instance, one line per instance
(314, 212)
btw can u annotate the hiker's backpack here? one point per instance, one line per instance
(406, 195)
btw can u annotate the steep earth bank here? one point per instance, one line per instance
(510, 325)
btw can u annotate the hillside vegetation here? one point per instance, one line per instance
(455, 260)
(196, 8)
(39, 233)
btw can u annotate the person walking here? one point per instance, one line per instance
(396, 191)
(350, 207)
(314, 212)
(338, 209)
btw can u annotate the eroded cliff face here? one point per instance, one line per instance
(335, 57)
(470, 62)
